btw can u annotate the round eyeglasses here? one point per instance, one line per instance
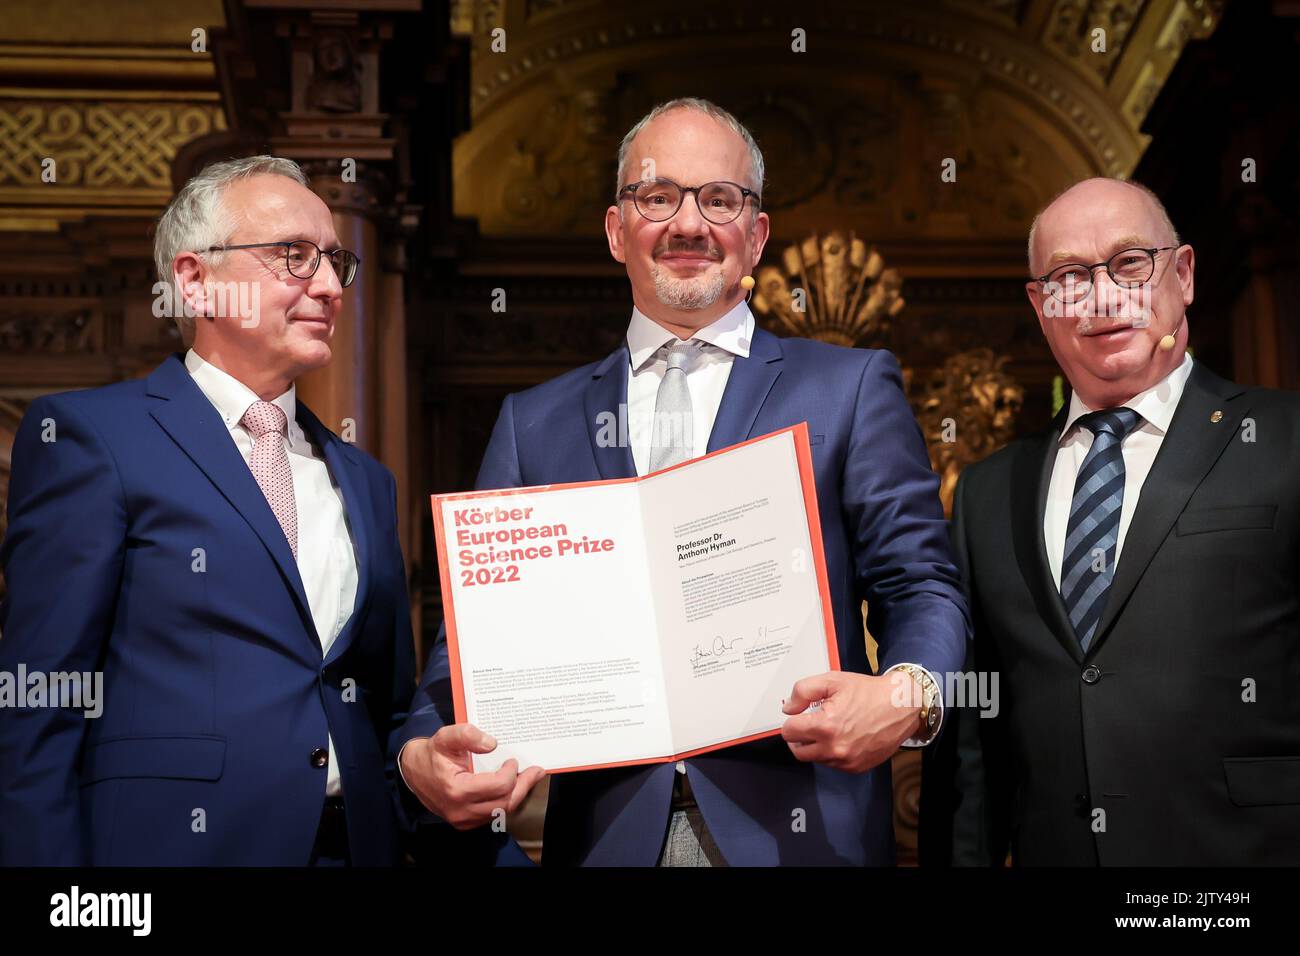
(1127, 268)
(659, 199)
(302, 258)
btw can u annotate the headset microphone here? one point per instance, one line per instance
(1167, 342)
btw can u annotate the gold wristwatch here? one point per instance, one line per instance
(929, 701)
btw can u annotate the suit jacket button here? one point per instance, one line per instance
(320, 758)
(1091, 674)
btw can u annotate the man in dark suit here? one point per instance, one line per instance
(686, 223)
(1134, 579)
(203, 547)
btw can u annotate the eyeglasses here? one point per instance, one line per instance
(302, 258)
(659, 199)
(1127, 268)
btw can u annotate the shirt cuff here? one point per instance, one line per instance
(399, 765)
(938, 686)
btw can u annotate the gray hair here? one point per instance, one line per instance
(197, 218)
(700, 106)
(1155, 201)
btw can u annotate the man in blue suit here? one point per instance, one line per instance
(686, 223)
(227, 567)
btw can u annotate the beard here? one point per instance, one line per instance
(688, 295)
(696, 292)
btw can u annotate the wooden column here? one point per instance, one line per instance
(345, 394)
(1266, 344)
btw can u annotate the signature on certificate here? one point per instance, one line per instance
(723, 648)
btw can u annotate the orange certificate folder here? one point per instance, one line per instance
(639, 620)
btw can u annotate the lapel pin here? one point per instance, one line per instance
(1216, 416)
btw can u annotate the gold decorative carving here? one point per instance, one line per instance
(967, 411)
(1072, 26)
(98, 144)
(1011, 90)
(554, 169)
(471, 17)
(831, 288)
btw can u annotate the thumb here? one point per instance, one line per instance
(808, 690)
(464, 738)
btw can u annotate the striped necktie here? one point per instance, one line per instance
(1092, 533)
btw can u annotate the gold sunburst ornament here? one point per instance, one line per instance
(831, 288)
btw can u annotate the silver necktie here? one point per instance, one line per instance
(672, 438)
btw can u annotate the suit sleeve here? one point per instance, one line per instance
(401, 677)
(902, 560)
(967, 785)
(432, 708)
(62, 559)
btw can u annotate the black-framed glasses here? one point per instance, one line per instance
(659, 199)
(302, 258)
(1127, 268)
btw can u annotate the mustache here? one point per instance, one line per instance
(700, 247)
(1112, 312)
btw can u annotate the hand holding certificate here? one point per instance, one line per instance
(639, 620)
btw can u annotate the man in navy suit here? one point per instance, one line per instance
(228, 569)
(686, 223)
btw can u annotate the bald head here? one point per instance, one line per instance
(1104, 198)
(1114, 339)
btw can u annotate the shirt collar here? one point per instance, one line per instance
(231, 397)
(1156, 405)
(733, 332)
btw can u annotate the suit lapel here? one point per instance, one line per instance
(605, 405)
(191, 421)
(1190, 448)
(748, 384)
(605, 400)
(344, 464)
(1030, 480)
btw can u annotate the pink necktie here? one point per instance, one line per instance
(267, 423)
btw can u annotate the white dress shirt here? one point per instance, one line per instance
(720, 343)
(327, 562)
(1156, 406)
